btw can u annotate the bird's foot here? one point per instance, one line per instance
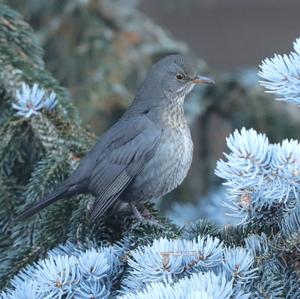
(145, 218)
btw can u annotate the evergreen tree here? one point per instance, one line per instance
(42, 141)
(60, 254)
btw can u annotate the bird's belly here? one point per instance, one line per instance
(166, 170)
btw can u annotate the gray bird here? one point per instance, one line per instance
(147, 153)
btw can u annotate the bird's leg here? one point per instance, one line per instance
(137, 213)
(145, 212)
(141, 218)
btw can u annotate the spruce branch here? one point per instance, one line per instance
(30, 100)
(201, 285)
(82, 275)
(260, 177)
(165, 260)
(281, 75)
(238, 263)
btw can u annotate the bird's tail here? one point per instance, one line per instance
(60, 192)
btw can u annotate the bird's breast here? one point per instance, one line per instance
(168, 167)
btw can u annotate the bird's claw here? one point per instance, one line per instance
(143, 219)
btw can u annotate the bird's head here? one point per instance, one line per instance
(173, 77)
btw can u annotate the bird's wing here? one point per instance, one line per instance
(129, 148)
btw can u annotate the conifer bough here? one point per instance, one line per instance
(256, 259)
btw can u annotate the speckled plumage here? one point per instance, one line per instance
(147, 153)
(166, 170)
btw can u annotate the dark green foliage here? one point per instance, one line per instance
(36, 153)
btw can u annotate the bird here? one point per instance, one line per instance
(146, 154)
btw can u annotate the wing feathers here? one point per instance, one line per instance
(111, 177)
(109, 196)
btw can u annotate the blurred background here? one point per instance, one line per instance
(101, 50)
(229, 34)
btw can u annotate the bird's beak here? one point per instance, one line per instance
(202, 80)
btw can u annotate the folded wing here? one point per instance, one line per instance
(130, 147)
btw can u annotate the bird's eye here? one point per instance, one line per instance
(179, 76)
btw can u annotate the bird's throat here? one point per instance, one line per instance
(172, 115)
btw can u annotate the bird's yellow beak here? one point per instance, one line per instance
(203, 80)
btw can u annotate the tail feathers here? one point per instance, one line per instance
(57, 194)
(101, 207)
